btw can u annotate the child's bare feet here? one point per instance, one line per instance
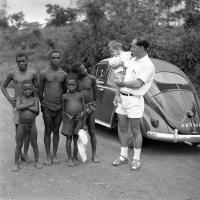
(55, 160)
(48, 162)
(15, 168)
(70, 163)
(76, 161)
(95, 159)
(38, 165)
(26, 159)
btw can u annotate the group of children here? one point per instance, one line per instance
(26, 105)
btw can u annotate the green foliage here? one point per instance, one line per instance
(59, 15)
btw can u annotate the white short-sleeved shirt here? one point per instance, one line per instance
(139, 69)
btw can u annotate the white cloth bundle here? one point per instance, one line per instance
(82, 143)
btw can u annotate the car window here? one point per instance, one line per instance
(167, 77)
(101, 73)
(166, 81)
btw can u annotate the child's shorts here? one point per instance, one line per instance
(71, 124)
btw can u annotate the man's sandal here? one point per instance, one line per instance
(135, 165)
(118, 161)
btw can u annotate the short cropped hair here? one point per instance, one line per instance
(75, 66)
(142, 43)
(22, 54)
(53, 51)
(72, 76)
(114, 44)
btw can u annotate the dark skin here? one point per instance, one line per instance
(17, 77)
(28, 106)
(52, 86)
(73, 103)
(88, 86)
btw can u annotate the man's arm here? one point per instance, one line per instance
(94, 88)
(36, 83)
(130, 84)
(4, 90)
(41, 86)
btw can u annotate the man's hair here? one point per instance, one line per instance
(53, 51)
(75, 67)
(22, 54)
(114, 44)
(142, 43)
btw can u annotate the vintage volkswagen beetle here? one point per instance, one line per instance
(172, 107)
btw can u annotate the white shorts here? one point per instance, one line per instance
(132, 106)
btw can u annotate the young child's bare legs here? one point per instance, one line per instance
(75, 154)
(33, 139)
(68, 149)
(20, 134)
(25, 156)
(20, 153)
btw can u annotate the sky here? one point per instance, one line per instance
(34, 10)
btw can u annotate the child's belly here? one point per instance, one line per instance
(26, 117)
(74, 107)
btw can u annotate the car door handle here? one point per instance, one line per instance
(101, 89)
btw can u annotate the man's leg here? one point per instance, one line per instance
(123, 125)
(137, 141)
(47, 134)
(56, 125)
(93, 139)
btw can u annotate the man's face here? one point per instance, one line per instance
(114, 52)
(55, 59)
(22, 63)
(82, 71)
(136, 50)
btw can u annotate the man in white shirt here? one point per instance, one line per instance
(138, 79)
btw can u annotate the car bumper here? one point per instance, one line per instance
(173, 137)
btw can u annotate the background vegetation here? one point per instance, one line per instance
(82, 33)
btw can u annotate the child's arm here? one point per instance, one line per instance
(22, 106)
(35, 107)
(63, 105)
(84, 110)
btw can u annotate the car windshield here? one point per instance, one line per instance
(166, 81)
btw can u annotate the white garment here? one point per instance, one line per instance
(139, 69)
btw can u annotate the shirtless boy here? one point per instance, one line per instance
(17, 77)
(28, 106)
(73, 110)
(52, 84)
(87, 85)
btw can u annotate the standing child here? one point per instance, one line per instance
(73, 111)
(28, 106)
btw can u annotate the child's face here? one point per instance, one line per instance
(27, 89)
(114, 52)
(71, 85)
(22, 63)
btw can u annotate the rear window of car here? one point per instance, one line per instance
(166, 81)
(167, 77)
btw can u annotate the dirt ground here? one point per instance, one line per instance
(169, 171)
